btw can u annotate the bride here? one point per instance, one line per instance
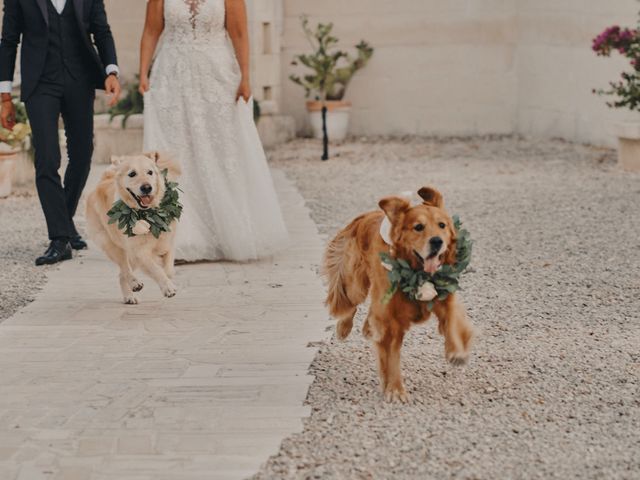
(198, 108)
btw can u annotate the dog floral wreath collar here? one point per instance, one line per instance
(418, 285)
(134, 221)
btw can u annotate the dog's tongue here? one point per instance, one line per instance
(431, 265)
(145, 200)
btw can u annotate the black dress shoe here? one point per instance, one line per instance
(78, 243)
(58, 251)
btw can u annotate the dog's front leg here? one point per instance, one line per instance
(168, 263)
(126, 279)
(128, 283)
(152, 267)
(389, 363)
(455, 327)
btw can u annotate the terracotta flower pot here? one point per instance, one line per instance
(338, 113)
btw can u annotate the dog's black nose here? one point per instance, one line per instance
(436, 244)
(146, 189)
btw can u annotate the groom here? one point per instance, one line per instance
(67, 52)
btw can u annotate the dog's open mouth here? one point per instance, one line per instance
(143, 201)
(432, 263)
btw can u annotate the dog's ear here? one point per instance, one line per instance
(431, 196)
(116, 160)
(394, 207)
(165, 162)
(451, 255)
(155, 156)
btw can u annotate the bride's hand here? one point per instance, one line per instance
(144, 84)
(244, 90)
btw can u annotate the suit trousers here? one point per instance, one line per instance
(73, 99)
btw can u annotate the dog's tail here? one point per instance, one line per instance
(346, 272)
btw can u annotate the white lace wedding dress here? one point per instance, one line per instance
(231, 210)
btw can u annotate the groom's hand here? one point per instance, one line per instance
(8, 114)
(112, 87)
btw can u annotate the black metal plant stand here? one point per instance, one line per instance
(325, 136)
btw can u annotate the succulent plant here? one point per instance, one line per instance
(331, 69)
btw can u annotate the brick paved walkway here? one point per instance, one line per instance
(201, 386)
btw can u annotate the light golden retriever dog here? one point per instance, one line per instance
(424, 236)
(139, 182)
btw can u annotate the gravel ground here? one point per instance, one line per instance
(553, 386)
(23, 236)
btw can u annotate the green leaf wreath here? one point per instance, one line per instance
(446, 280)
(159, 219)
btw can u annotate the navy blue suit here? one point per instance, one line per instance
(63, 61)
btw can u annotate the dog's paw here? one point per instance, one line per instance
(169, 290)
(396, 393)
(130, 300)
(136, 285)
(457, 359)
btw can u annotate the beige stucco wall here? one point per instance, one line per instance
(127, 19)
(440, 67)
(471, 66)
(557, 69)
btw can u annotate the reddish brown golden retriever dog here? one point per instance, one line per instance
(354, 270)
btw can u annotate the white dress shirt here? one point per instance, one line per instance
(59, 5)
(7, 87)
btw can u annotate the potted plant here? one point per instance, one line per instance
(626, 91)
(13, 143)
(331, 72)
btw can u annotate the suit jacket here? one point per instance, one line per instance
(28, 19)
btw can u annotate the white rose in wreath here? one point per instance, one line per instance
(142, 227)
(426, 292)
